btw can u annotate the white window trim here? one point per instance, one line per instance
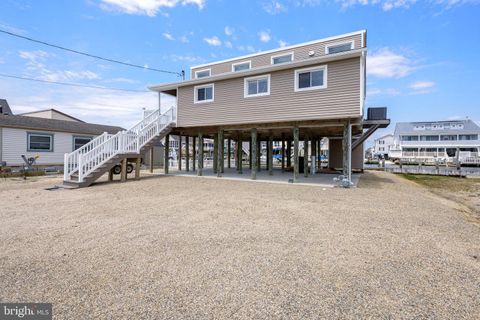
(291, 53)
(245, 86)
(198, 71)
(325, 77)
(50, 135)
(195, 93)
(352, 45)
(242, 62)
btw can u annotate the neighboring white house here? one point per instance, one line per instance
(42, 134)
(443, 140)
(382, 145)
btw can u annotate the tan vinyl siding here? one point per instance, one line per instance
(300, 53)
(340, 99)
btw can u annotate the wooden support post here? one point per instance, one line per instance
(270, 155)
(123, 174)
(250, 153)
(137, 168)
(151, 159)
(200, 155)
(194, 153)
(347, 151)
(283, 152)
(179, 153)
(319, 153)
(222, 158)
(253, 153)
(259, 154)
(289, 153)
(166, 161)
(229, 153)
(215, 153)
(296, 142)
(240, 155)
(187, 153)
(313, 144)
(110, 175)
(305, 157)
(220, 150)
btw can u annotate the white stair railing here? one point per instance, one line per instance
(105, 147)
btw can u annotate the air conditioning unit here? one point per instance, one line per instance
(377, 113)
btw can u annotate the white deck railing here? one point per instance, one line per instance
(104, 147)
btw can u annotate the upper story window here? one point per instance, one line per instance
(448, 137)
(202, 73)
(39, 142)
(468, 137)
(429, 138)
(287, 57)
(456, 126)
(311, 78)
(204, 93)
(241, 66)
(339, 47)
(257, 86)
(409, 138)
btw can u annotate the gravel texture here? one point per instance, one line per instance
(192, 248)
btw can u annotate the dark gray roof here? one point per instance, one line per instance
(32, 123)
(405, 128)
(4, 107)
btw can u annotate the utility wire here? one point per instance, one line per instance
(69, 84)
(180, 74)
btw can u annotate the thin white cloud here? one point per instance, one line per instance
(146, 7)
(422, 85)
(184, 58)
(264, 36)
(228, 44)
(388, 5)
(228, 30)
(382, 92)
(168, 36)
(385, 63)
(213, 41)
(282, 43)
(274, 7)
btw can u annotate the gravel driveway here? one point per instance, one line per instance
(193, 248)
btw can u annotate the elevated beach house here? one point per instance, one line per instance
(294, 95)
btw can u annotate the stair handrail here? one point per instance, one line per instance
(70, 164)
(130, 141)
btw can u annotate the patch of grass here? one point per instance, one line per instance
(444, 182)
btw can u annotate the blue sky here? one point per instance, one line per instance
(422, 60)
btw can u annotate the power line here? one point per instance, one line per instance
(180, 74)
(69, 84)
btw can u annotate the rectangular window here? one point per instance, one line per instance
(339, 47)
(202, 73)
(257, 86)
(429, 138)
(282, 58)
(241, 66)
(39, 142)
(468, 137)
(448, 137)
(409, 138)
(79, 142)
(204, 93)
(310, 79)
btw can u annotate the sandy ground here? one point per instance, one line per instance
(190, 248)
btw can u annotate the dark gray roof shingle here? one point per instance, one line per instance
(32, 123)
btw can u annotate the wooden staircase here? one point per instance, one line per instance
(86, 165)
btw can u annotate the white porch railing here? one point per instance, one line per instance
(98, 151)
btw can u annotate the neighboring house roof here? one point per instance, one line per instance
(260, 70)
(32, 113)
(385, 136)
(32, 123)
(4, 107)
(406, 128)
